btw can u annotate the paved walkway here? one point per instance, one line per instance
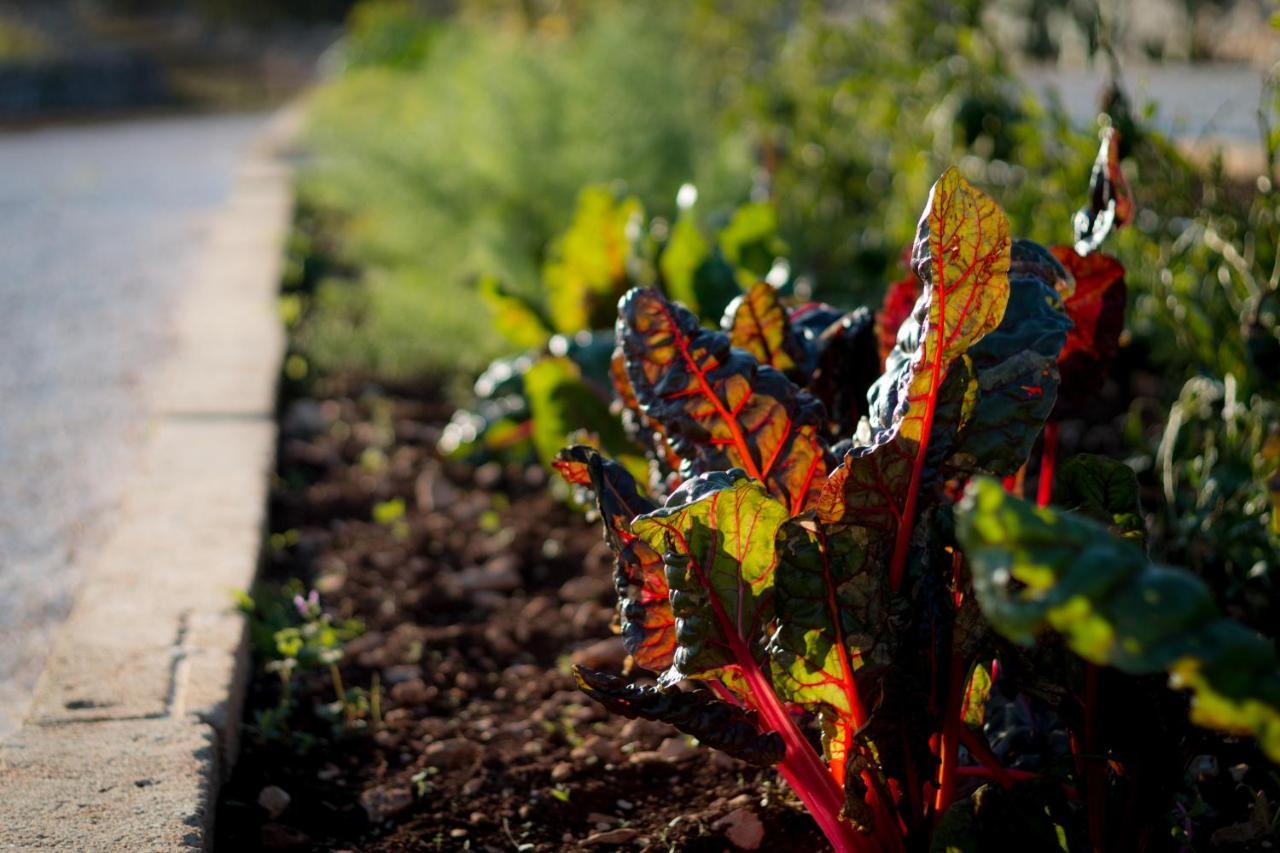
(100, 226)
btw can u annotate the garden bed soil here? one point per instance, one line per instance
(474, 603)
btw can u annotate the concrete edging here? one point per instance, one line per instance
(134, 722)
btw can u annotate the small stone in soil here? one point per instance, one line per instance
(612, 836)
(452, 754)
(563, 770)
(596, 818)
(742, 828)
(677, 749)
(274, 800)
(382, 804)
(608, 654)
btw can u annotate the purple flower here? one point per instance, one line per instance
(308, 606)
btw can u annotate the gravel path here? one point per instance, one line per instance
(99, 226)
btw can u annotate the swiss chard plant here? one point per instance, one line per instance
(527, 405)
(822, 544)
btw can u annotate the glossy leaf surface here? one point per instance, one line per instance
(716, 723)
(644, 606)
(829, 606)
(716, 535)
(1104, 489)
(962, 255)
(757, 322)
(719, 408)
(1037, 569)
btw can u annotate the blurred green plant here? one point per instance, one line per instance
(291, 633)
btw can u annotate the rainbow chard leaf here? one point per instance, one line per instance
(644, 608)
(716, 535)
(719, 408)
(1110, 205)
(716, 723)
(1096, 307)
(1037, 569)
(757, 322)
(962, 256)
(830, 609)
(997, 396)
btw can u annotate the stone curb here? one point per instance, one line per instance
(135, 718)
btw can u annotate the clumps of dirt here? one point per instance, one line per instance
(477, 587)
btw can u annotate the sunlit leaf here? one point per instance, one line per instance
(716, 535)
(695, 271)
(757, 322)
(586, 271)
(644, 608)
(561, 402)
(829, 606)
(1037, 569)
(962, 255)
(719, 407)
(514, 317)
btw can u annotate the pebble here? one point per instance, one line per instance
(608, 654)
(382, 804)
(743, 829)
(612, 836)
(274, 799)
(488, 476)
(677, 749)
(563, 770)
(597, 819)
(414, 692)
(741, 801)
(595, 745)
(586, 588)
(497, 575)
(452, 754)
(458, 833)
(401, 673)
(432, 491)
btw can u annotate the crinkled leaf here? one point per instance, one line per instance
(561, 402)
(719, 407)
(757, 322)
(847, 363)
(644, 608)
(586, 270)
(716, 723)
(716, 535)
(996, 398)
(1104, 489)
(829, 608)
(962, 255)
(514, 317)
(695, 272)
(1110, 205)
(1096, 307)
(1039, 568)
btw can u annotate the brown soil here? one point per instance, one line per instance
(473, 602)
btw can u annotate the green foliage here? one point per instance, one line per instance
(1036, 569)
